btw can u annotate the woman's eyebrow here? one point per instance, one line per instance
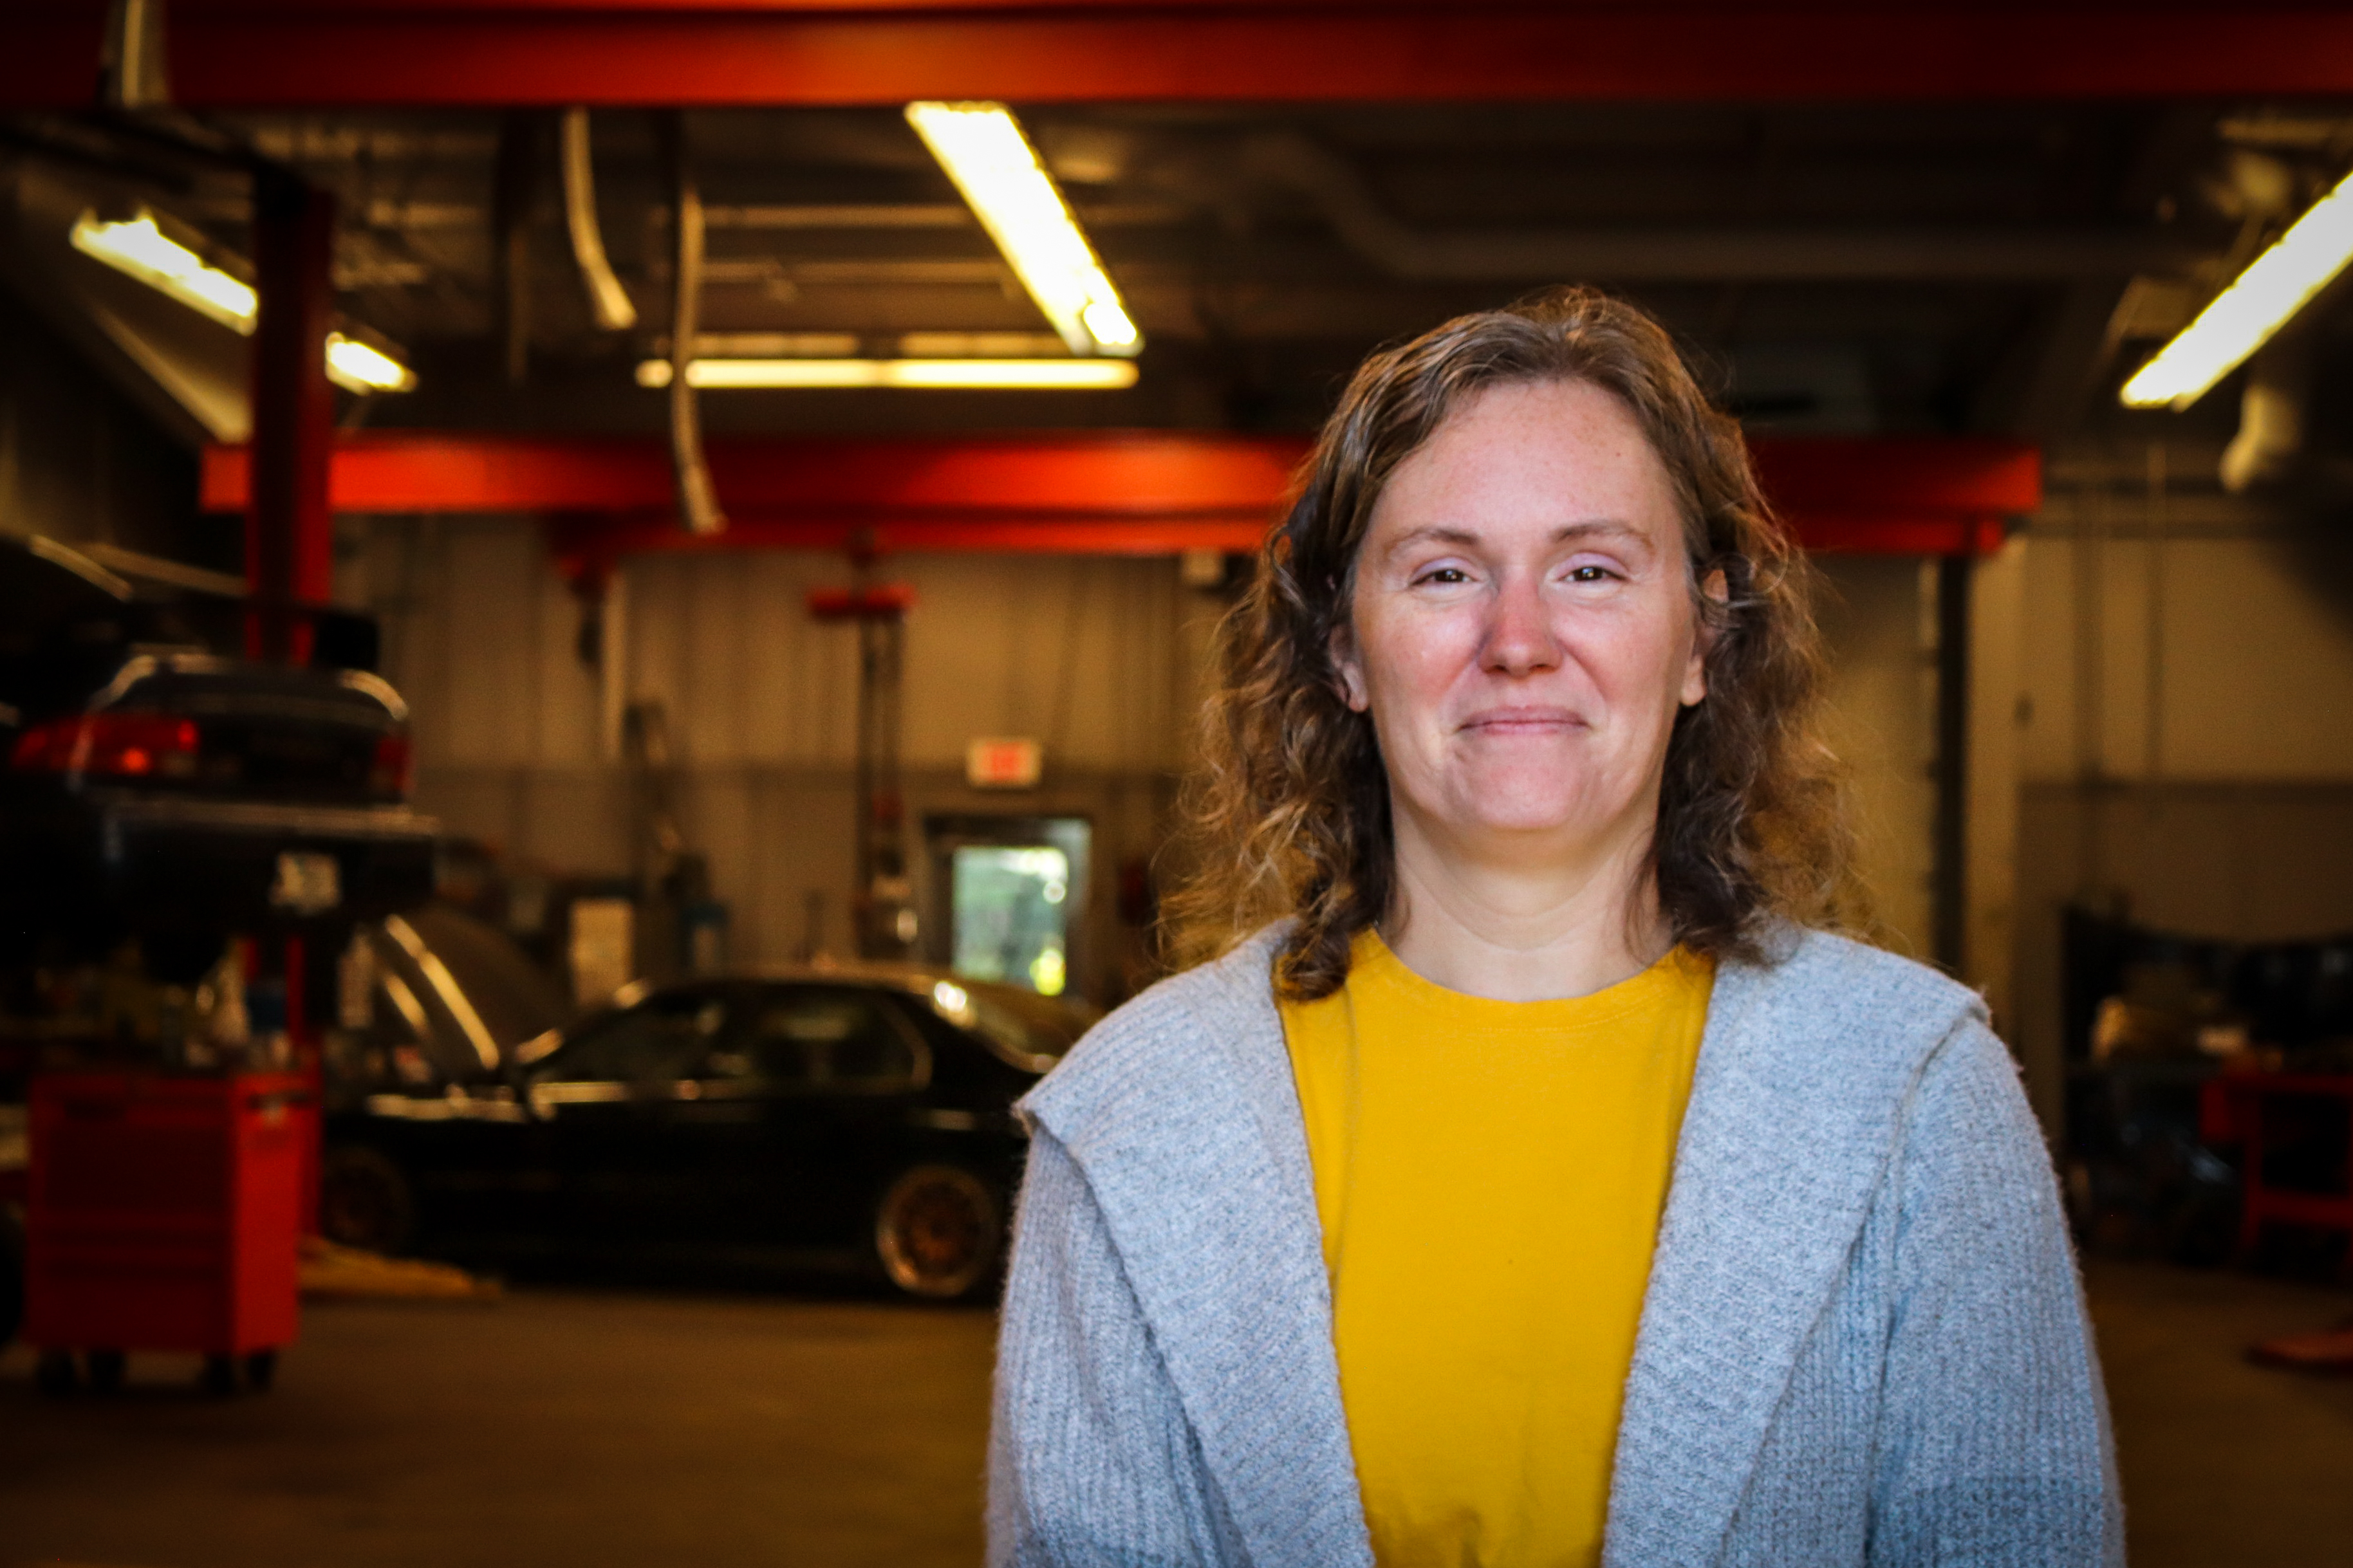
(1598, 528)
(1435, 533)
(1471, 538)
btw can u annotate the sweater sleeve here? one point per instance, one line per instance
(1091, 1462)
(1994, 1446)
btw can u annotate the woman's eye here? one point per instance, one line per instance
(1446, 574)
(1590, 573)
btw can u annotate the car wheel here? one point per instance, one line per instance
(938, 1231)
(365, 1201)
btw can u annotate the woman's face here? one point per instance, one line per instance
(1522, 630)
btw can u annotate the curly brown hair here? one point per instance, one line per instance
(1288, 815)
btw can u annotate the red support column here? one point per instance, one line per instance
(289, 525)
(290, 521)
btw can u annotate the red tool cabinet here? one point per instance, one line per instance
(2245, 1108)
(163, 1215)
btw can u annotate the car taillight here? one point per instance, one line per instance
(115, 746)
(389, 776)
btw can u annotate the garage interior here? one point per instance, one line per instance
(799, 659)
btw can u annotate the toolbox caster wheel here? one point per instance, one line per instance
(219, 1376)
(260, 1370)
(106, 1369)
(55, 1374)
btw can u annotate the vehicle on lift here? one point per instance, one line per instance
(773, 1118)
(154, 784)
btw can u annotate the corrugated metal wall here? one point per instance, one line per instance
(517, 736)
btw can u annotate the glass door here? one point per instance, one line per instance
(1013, 892)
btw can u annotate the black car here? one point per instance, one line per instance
(767, 1117)
(155, 783)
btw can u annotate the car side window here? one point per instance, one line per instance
(834, 1038)
(662, 1037)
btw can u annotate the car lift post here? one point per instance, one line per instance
(289, 522)
(881, 902)
(288, 527)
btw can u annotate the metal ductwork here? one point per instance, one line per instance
(607, 300)
(698, 504)
(1714, 252)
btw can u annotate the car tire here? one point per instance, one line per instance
(366, 1202)
(939, 1231)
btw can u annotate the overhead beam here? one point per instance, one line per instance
(1149, 474)
(251, 54)
(1142, 492)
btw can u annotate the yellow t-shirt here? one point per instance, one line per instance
(1490, 1176)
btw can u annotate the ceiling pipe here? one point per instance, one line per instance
(607, 300)
(1716, 252)
(2270, 441)
(132, 74)
(698, 504)
(513, 193)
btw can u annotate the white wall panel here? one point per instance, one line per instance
(2253, 652)
(1881, 723)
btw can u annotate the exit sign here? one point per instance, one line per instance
(1003, 763)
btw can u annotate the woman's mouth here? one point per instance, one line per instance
(1522, 720)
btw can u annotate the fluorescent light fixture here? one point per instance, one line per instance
(979, 345)
(2258, 302)
(1067, 374)
(983, 149)
(771, 345)
(147, 253)
(360, 367)
(141, 249)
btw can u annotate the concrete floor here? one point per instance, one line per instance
(581, 1429)
(558, 1428)
(2223, 1463)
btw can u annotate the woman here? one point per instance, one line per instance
(1540, 1184)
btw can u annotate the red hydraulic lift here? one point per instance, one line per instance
(166, 1212)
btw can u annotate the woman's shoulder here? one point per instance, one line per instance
(1201, 1023)
(1812, 968)
(1841, 1009)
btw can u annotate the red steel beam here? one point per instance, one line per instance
(252, 54)
(289, 517)
(1970, 476)
(1139, 475)
(1071, 492)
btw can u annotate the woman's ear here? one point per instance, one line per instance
(1704, 635)
(1349, 668)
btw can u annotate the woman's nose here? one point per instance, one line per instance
(1519, 636)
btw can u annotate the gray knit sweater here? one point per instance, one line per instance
(1864, 1339)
